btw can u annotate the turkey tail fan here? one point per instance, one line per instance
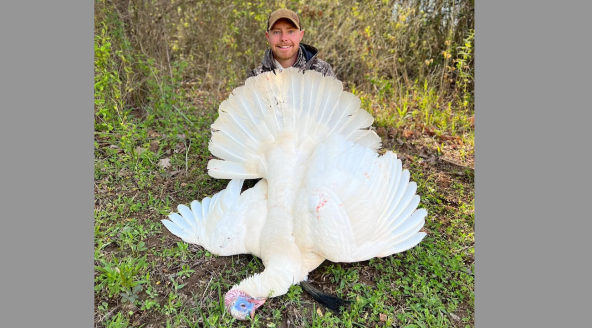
(333, 303)
(305, 105)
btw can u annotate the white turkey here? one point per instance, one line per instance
(325, 194)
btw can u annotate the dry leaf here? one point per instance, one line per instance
(154, 146)
(381, 131)
(382, 317)
(124, 172)
(392, 132)
(153, 134)
(432, 160)
(443, 181)
(319, 312)
(454, 317)
(423, 153)
(407, 133)
(140, 150)
(179, 147)
(165, 163)
(443, 137)
(472, 120)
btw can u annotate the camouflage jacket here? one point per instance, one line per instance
(307, 59)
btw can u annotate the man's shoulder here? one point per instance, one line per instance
(307, 59)
(322, 67)
(255, 71)
(266, 65)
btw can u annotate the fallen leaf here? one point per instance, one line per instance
(407, 133)
(319, 312)
(181, 136)
(443, 137)
(443, 181)
(381, 131)
(382, 317)
(432, 160)
(124, 172)
(423, 153)
(140, 150)
(472, 120)
(165, 163)
(454, 317)
(153, 134)
(179, 147)
(154, 146)
(392, 132)
(175, 172)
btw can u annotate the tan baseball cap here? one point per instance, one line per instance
(285, 14)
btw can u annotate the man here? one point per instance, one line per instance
(284, 34)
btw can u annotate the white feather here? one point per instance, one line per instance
(225, 223)
(356, 222)
(326, 194)
(256, 116)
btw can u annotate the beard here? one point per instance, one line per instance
(285, 55)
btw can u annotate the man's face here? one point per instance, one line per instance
(284, 39)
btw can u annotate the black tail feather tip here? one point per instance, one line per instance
(333, 303)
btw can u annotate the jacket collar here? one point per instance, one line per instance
(305, 55)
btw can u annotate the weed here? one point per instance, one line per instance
(119, 276)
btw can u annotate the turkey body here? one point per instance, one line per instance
(326, 194)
